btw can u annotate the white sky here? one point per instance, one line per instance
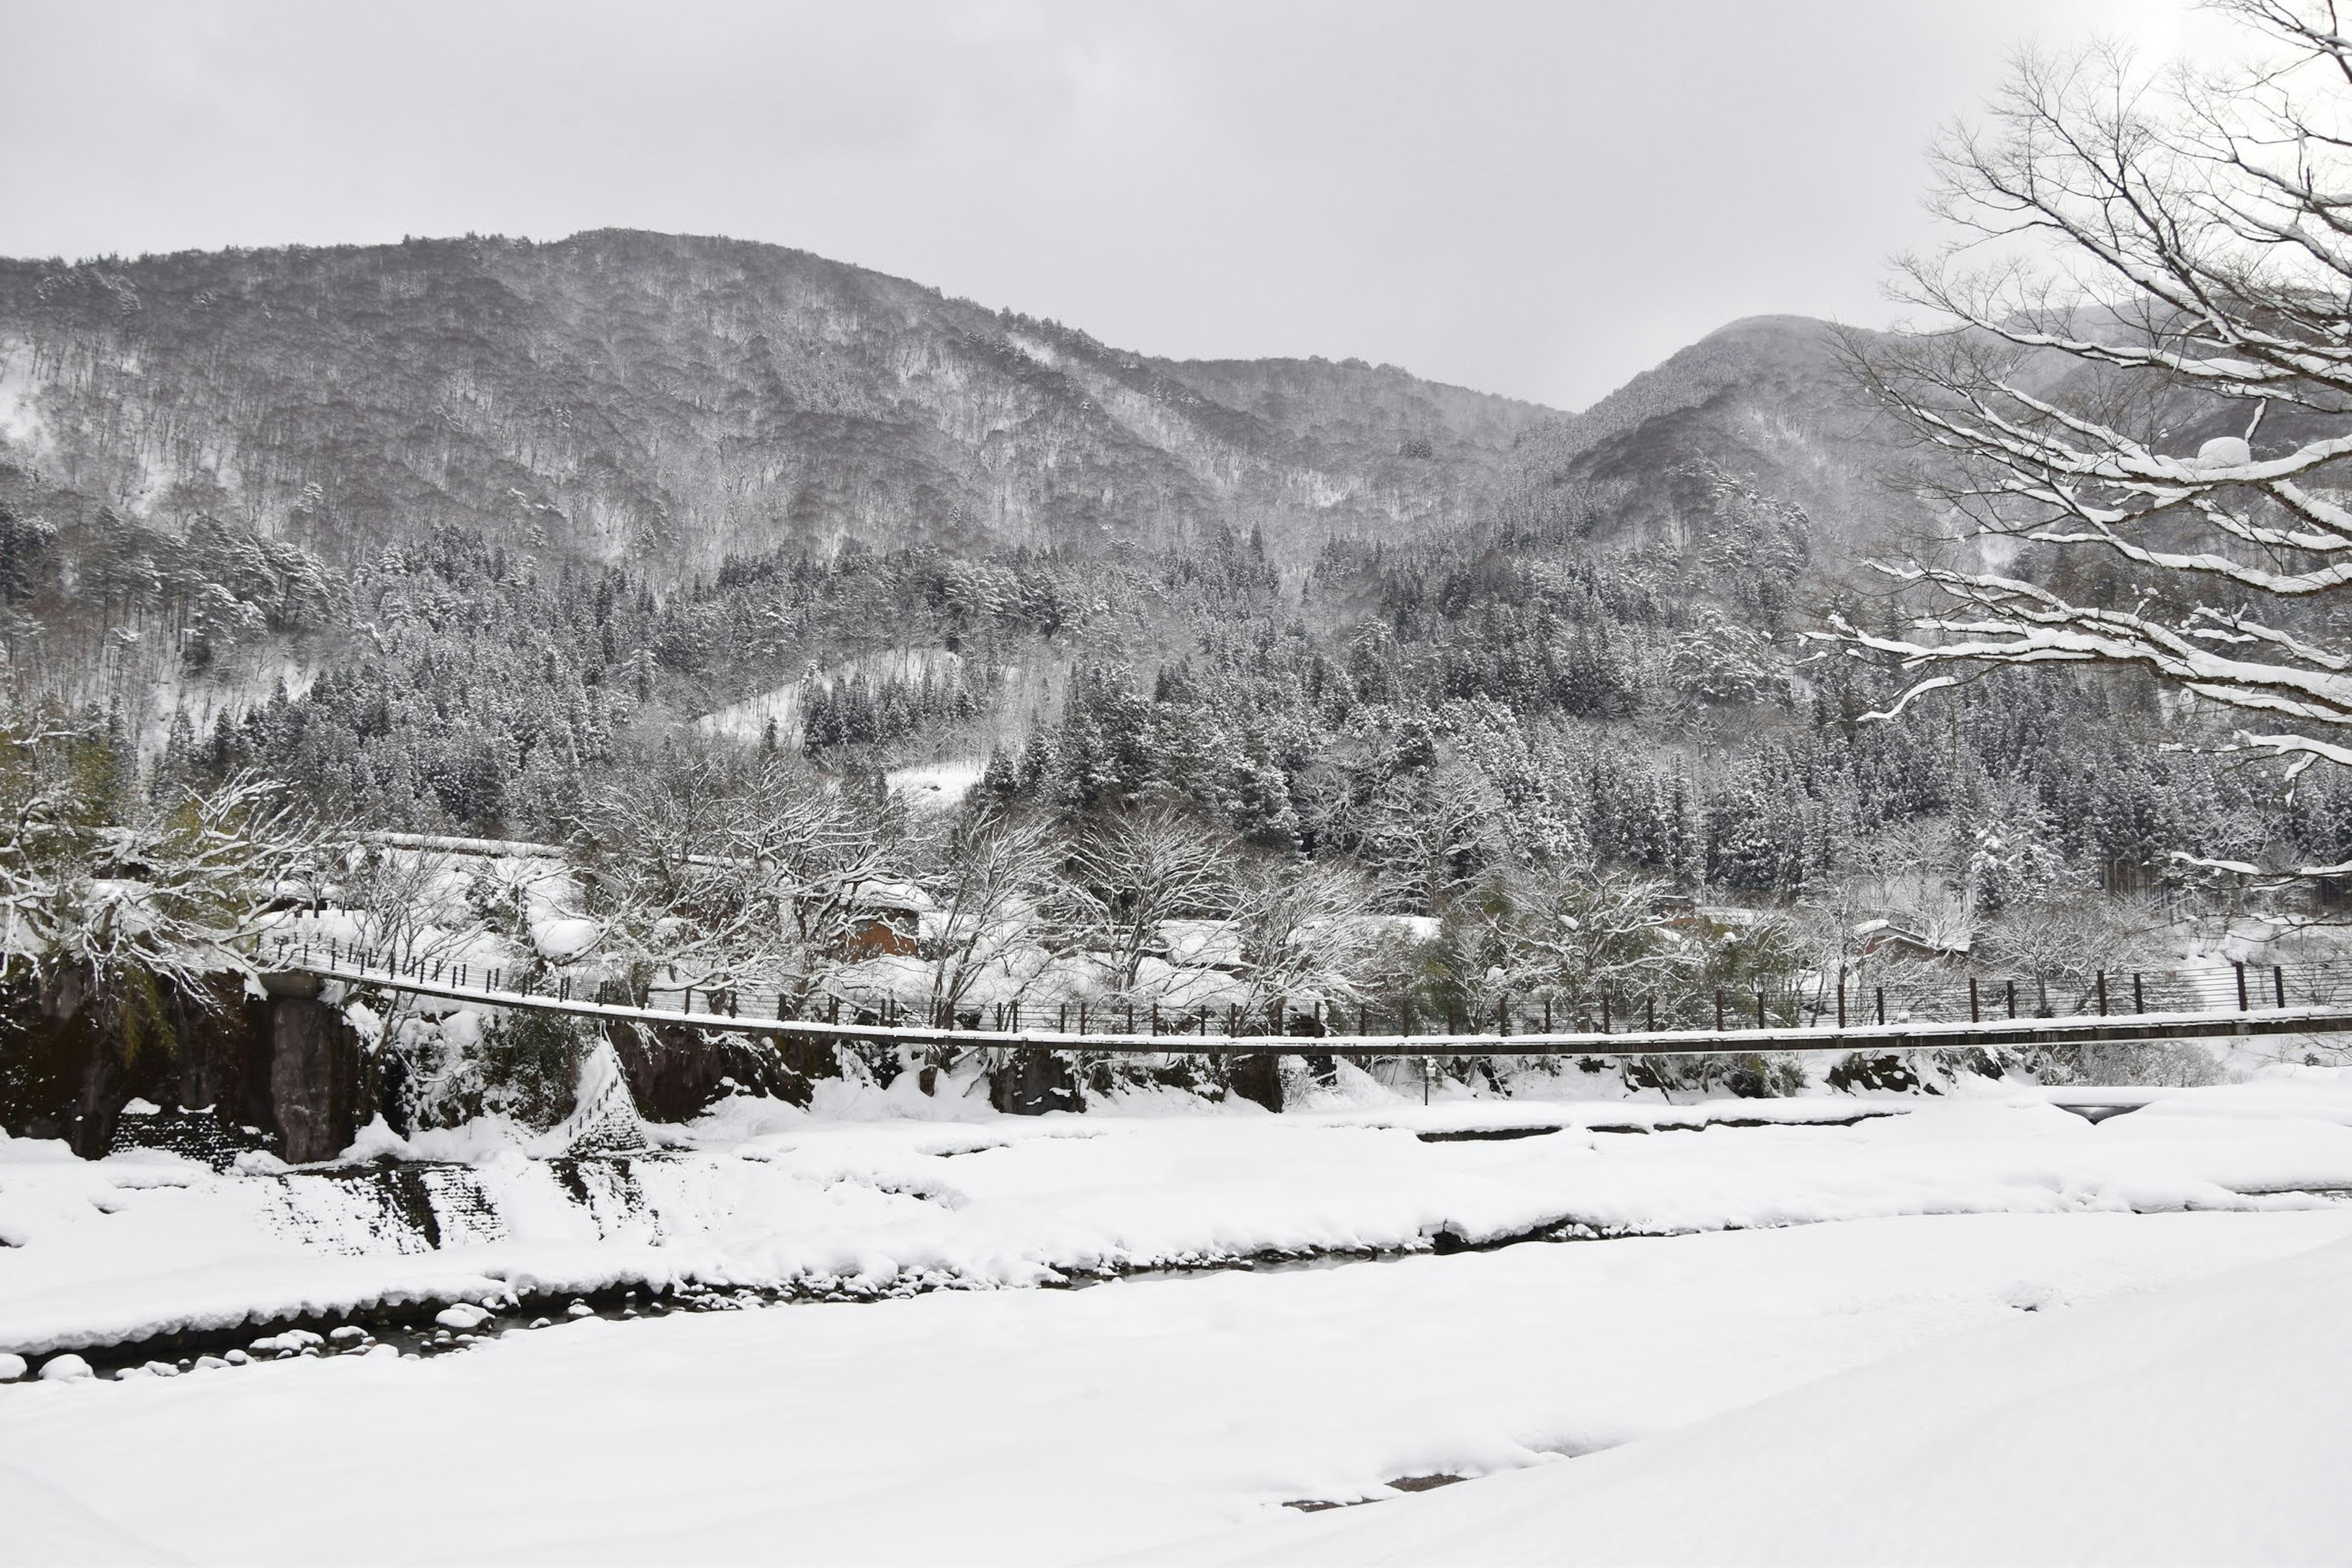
(1538, 198)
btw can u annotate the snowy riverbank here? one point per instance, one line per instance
(107, 1251)
(1761, 1248)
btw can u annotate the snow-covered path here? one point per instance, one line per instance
(1047, 1427)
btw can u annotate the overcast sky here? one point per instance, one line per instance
(1535, 198)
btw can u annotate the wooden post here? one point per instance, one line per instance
(1503, 1017)
(2278, 984)
(1718, 1009)
(2241, 985)
(1546, 1015)
(1649, 1014)
(2011, 988)
(1760, 1008)
(1976, 1015)
(1841, 996)
(2139, 1005)
(2103, 993)
(1604, 1012)
(1881, 1005)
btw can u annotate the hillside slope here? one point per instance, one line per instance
(663, 401)
(1763, 400)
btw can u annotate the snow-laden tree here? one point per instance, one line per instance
(1135, 871)
(721, 875)
(1570, 935)
(1303, 931)
(2138, 391)
(108, 897)
(991, 873)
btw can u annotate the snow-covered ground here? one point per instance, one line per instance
(1068, 1426)
(2198, 1424)
(1179, 1412)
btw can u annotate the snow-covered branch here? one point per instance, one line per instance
(2196, 236)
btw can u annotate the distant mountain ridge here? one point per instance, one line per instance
(664, 402)
(1765, 399)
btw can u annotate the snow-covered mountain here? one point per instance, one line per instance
(660, 403)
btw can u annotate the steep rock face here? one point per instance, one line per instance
(676, 1074)
(667, 401)
(71, 1067)
(1032, 1081)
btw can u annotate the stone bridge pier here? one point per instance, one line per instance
(318, 1090)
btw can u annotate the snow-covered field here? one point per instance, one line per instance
(2200, 1424)
(1971, 1309)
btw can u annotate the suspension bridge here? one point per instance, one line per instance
(1949, 1012)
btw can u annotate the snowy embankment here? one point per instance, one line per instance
(1043, 1427)
(101, 1253)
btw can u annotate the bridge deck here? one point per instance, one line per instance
(2078, 1029)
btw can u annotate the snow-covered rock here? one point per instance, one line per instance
(66, 1368)
(12, 1367)
(561, 938)
(464, 1318)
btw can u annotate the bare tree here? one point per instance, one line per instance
(1428, 835)
(1143, 868)
(991, 873)
(399, 898)
(1303, 931)
(723, 874)
(2180, 253)
(1573, 934)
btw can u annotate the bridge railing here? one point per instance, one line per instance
(1907, 997)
